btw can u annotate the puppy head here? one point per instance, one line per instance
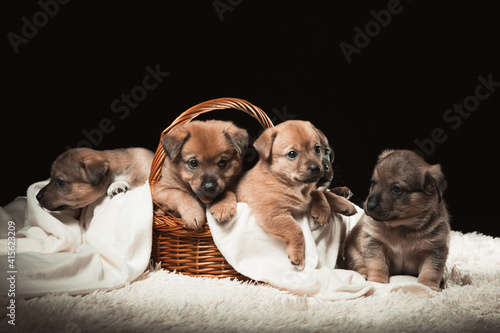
(205, 155)
(78, 178)
(403, 187)
(328, 156)
(293, 152)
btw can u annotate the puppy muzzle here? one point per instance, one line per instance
(327, 177)
(373, 209)
(209, 190)
(313, 174)
(40, 196)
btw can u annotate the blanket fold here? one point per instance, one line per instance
(107, 246)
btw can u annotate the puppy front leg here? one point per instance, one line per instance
(377, 266)
(224, 208)
(353, 251)
(343, 191)
(320, 209)
(340, 204)
(192, 212)
(432, 270)
(285, 227)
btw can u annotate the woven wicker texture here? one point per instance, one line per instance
(193, 252)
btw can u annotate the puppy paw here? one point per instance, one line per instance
(320, 208)
(223, 211)
(194, 219)
(321, 214)
(296, 254)
(431, 284)
(119, 186)
(339, 204)
(342, 191)
(347, 210)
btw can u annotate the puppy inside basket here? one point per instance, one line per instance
(203, 159)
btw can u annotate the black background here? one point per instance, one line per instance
(283, 57)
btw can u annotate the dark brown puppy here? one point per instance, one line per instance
(202, 162)
(406, 227)
(326, 200)
(80, 176)
(280, 184)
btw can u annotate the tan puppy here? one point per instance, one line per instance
(406, 227)
(202, 162)
(326, 200)
(80, 176)
(281, 182)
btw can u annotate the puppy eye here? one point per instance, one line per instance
(327, 152)
(317, 149)
(222, 164)
(60, 182)
(372, 183)
(292, 154)
(396, 189)
(193, 164)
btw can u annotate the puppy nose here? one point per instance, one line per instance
(314, 169)
(325, 165)
(209, 186)
(372, 203)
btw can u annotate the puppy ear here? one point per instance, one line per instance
(434, 180)
(95, 168)
(324, 143)
(384, 154)
(172, 142)
(322, 138)
(264, 143)
(238, 138)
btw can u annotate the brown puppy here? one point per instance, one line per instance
(406, 227)
(202, 162)
(326, 200)
(281, 182)
(80, 176)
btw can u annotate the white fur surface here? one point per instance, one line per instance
(161, 301)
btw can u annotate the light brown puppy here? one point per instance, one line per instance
(280, 184)
(406, 227)
(80, 176)
(326, 200)
(202, 162)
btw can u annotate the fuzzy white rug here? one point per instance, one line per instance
(161, 301)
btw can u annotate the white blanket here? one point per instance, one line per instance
(256, 254)
(107, 247)
(110, 245)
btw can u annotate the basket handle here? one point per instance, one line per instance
(194, 111)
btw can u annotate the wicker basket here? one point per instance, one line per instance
(193, 252)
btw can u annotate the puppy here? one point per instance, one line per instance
(406, 227)
(326, 200)
(80, 176)
(203, 159)
(280, 184)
